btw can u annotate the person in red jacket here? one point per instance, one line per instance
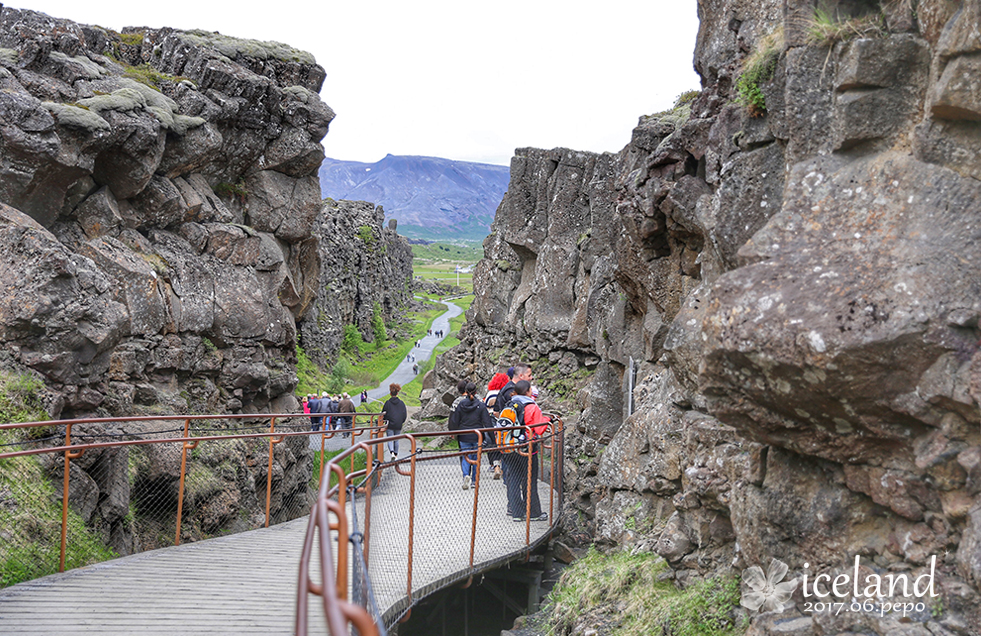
(519, 493)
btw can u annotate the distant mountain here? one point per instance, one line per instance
(432, 198)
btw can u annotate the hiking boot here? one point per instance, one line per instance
(541, 517)
(498, 473)
(466, 482)
(519, 519)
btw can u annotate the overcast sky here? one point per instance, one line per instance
(454, 78)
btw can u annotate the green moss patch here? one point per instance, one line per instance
(625, 592)
(30, 506)
(758, 68)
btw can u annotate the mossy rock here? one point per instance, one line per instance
(9, 57)
(123, 100)
(90, 68)
(76, 116)
(236, 47)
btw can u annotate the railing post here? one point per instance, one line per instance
(180, 489)
(272, 443)
(531, 459)
(412, 513)
(476, 498)
(367, 506)
(64, 499)
(323, 442)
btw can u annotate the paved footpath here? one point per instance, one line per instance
(246, 583)
(402, 374)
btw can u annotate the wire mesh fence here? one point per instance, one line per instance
(422, 524)
(136, 485)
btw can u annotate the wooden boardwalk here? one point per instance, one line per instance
(246, 583)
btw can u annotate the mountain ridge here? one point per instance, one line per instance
(430, 197)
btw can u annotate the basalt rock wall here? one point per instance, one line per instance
(159, 207)
(160, 197)
(364, 265)
(796, 288)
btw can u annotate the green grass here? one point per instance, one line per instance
(680, 113)
(625, 589)
(828, 28)
(380, 363)
(439, 261)
(359, 464)
(410, 392)
(366, 366)
(30, 514)
(450, 252)
(146, 74)
(311, 378)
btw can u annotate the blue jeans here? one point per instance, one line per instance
(393, 446)
(467, 467)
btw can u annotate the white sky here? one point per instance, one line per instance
(455, 78)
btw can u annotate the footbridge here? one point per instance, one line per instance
(249, 524)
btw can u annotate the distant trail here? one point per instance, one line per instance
(402, 374)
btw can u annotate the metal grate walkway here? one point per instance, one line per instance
(246, 583)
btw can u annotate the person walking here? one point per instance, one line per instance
(522, 493)
(394, 414)
(326, 406)
(346, 405)
(493, 455)
(518, 372)
(470, 413)
(313, 406)
(364, 396)
(522, 371)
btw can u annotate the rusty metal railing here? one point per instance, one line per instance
(39, 443)
(340, 562)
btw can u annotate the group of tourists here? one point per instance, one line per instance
(509, 393)
(512, 390)
(327, 412)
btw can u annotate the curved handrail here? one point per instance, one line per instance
(335, 575)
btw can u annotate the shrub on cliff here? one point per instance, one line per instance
(758, 68)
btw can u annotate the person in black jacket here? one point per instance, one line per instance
(313, 403)
(394, 414)
(522, 371)
(471, 413)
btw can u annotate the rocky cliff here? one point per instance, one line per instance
(790, 261)
(366, 268)
(161, 192)
(161, 236)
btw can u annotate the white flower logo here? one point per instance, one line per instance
(767, 591)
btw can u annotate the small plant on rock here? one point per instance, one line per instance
(829, 27)
(235, 191)
(758, 68)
